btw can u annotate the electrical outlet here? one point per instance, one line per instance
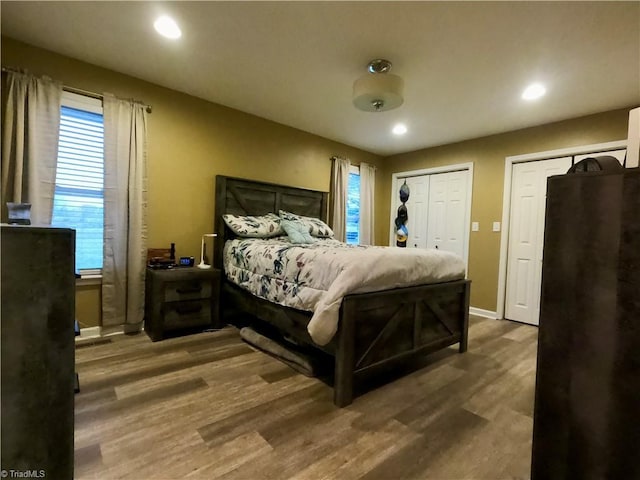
(496, 226)
(475, 226)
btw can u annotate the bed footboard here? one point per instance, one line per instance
(377, 331)
(381, 329)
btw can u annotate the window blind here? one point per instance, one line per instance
(353, 209)
(79, 192)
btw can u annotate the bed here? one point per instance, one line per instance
(377, 331)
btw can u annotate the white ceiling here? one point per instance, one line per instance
(464, 64)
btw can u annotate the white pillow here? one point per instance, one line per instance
(254, 226)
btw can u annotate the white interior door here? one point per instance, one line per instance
(436, 225)
(447, 221)
(526, 236)
(418, 210)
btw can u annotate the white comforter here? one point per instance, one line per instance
(317, 276)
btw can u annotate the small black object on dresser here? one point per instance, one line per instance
(180, 300)
(587, 400)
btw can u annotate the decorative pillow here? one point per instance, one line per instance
(297, 232)
(259, 226)
(316, 227)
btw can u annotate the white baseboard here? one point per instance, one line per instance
(98, 332)
(89, 332)
(483, 313)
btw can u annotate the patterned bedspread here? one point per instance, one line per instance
(315, 277)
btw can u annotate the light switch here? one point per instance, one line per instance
(496, 226)
(475, 226)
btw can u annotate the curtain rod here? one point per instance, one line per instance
(80, 91)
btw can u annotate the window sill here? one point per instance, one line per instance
(87, 280)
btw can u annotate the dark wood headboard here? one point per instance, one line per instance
(239, 196)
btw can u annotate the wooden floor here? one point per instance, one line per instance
(207, 406)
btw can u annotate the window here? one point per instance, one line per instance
(78, 200)
(353, 207)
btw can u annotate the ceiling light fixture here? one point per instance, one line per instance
(167, 27)
(534, 91)
(399, 129)
(378, 90)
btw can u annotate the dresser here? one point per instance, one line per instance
(587, 399)
(181, 300)
(38, 348)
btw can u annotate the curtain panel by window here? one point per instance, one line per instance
(125, 205)
(339, 186)
(367, 189)
(30, 143)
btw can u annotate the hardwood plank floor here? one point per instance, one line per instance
(207, 406)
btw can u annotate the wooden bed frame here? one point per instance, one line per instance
(377, 331)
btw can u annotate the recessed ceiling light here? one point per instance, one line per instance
(534, 91)
(399, 129)
(167, 27)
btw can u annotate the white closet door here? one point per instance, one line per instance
(456, 211)
(447, 211)
(526, 236)
(418, 210)
(437, 227)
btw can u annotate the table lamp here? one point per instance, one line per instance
(202, 264)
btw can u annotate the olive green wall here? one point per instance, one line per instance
(488, 156)
(88, 305)
(190, 141)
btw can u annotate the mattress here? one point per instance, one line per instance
(315, 277)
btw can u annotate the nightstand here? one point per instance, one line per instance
(181, 299)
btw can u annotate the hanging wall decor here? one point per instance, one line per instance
(402, 232)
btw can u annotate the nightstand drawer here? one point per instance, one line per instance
(181, 300)
(188, 289)
(191, 313)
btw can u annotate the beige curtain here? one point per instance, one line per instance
(125, 204)
(30, 144)
(339, 186)
(367, 189)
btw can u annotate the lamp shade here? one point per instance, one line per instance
(202, 263)
(378, 92)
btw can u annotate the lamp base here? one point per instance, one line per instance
(203, 265)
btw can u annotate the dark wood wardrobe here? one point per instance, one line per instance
(38, 351)
(587, 400)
